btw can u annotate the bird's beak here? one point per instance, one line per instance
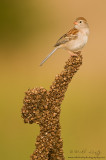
(75, 23)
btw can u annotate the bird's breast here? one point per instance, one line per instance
(77, 44)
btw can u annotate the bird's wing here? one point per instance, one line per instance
(71, 35)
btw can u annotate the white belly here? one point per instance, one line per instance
(77, 44)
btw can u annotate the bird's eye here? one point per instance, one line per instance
(80, 21)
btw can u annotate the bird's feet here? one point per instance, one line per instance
(73, 54)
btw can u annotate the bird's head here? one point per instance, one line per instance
(81, 23)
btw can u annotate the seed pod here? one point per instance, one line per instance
(43, 107)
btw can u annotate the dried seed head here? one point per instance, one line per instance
(43, 107)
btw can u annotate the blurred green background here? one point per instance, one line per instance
(28, 31)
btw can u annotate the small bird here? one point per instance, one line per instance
(74, 40)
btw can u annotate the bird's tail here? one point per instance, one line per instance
(48, 57)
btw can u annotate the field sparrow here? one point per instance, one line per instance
(74, 40)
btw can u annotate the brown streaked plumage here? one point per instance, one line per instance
(71, 35)
(74, 40)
